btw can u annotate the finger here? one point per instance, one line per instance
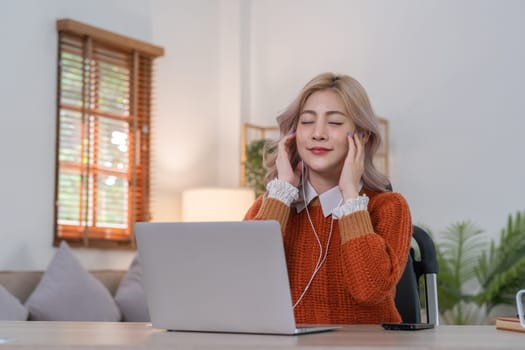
(284, 168)
(351, 145)
(290, 136)
(360, 145)
(285, 141)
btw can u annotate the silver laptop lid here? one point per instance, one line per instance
(216, 276)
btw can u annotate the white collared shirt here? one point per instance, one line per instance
(329, 200)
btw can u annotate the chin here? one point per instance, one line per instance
(321, 168)
(324, 166)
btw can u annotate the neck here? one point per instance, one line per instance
(321, 183)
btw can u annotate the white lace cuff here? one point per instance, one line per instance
(351, 205)
(283, 191)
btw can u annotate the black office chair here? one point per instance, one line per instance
(408, 299)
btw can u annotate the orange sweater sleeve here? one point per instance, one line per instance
(265, 208)
(374, 247)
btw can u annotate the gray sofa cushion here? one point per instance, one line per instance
(67, 292)
(131, 297)
(10, 307)
(20, 283)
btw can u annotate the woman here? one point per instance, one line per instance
(346, 237)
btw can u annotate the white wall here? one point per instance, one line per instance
(187, 101)
(28, 95)
(199, 87)
(447, 74)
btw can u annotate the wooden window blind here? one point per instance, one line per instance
(103, 135)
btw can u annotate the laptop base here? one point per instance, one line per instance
(297, 331)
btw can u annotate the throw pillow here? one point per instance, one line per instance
(67, 292)
(10, 307)
(130, 295)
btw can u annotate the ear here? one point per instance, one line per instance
(364, 136)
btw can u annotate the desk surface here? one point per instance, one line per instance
(88, 335)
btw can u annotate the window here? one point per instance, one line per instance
(103, 135)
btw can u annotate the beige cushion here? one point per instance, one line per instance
(109, 278)
(20, 283)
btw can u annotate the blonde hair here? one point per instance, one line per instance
(359, 109)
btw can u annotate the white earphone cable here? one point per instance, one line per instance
(321, 259)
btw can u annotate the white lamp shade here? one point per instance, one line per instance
(216, 204)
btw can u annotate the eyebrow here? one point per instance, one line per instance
(308, 111)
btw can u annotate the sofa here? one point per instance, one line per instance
(66, 291)
(22, 283)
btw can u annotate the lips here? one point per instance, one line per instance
(319, 150)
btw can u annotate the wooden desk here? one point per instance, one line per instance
(88, 335)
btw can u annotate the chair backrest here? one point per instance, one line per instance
(408, 298)
(407, 294)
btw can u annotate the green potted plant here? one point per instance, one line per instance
(254, 167)
(457, 255)
(501, 271)
(493, 275)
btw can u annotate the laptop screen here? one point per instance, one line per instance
(216, 276)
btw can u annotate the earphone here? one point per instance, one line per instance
(321, 259)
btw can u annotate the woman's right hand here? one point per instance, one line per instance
(284, 167)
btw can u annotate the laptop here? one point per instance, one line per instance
(217, 277)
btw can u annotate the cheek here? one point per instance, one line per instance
(299, 143)
(342, 141)
(300, 139)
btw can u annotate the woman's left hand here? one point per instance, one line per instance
(353, 167)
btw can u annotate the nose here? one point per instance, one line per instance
(319, 132)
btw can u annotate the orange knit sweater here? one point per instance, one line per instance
(367, 254)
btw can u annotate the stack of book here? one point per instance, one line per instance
(509, 324)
